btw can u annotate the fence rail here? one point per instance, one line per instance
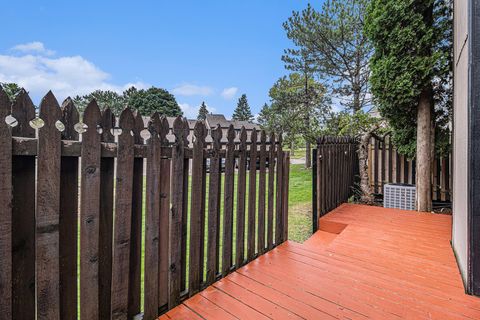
(335, 166)
(386, 165)
(66, 197)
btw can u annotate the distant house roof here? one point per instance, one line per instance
(237, 124)
(213, 120)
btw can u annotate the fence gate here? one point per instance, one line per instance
(335, 166)
(76, 191)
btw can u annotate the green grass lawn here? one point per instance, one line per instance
(298, 154)
(300, 203)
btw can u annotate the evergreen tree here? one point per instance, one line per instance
(243, 112)
(202, 112)
(411, 77)
(291, 104)
(332, 43)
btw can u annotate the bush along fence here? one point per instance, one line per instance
(335, 166)
(79, 204)
(386, 165)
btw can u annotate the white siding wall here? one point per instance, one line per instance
(460, 139)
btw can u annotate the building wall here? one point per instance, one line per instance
(460, 137)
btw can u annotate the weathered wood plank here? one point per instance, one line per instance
(252, 196)
(185, 206)
(261, 193)
(134, 290)
(5, 209)
(241, 184)
(228, 202)
(213, 245)
(68, 217)
(164, 237)
(47, 212)
(286, 179)
(178, 164)
(152, 219)
(107, 166)
(196, 213)
(271, 191)
(23, 214)
(279, 191)
(123, 217)
(390, 160)
(90, 213)
(375, 165)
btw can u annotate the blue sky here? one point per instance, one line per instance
(199, 50)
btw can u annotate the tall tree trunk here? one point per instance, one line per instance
(424, 152)
(308, 155)
(365, 188)
(356, 101)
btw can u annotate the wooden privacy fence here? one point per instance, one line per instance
(335, 165)
(66, 198)
(386, 165)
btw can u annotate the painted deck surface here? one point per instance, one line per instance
(364, 263)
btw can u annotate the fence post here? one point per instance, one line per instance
(314, 191)
(152, 219)
(286, 176)
(48, 205)
(175, 264)
(5, 209)
(228, 202)
(123, 217)
(69, 216)
(197, 214)
(134, 299)
(23, 213)
(90, 213)
(107, 171)
(242, 165)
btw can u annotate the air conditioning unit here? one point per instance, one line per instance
(399, 196)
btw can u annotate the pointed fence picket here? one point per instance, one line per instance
(84, 188)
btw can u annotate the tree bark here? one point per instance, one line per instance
(365, 188)
(424, 152)
(308, 155)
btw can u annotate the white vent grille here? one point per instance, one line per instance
(399, 196)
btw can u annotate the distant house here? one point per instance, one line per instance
(211, 122)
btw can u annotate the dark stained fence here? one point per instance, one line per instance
(335, 166)
(66, 196)
(386, 165)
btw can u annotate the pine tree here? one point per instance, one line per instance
(411, 77)
(243, 112)
(202, 112)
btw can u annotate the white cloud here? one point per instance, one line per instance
(229, 93)
(192, 112)
(65, 76)
(33, 47)
(188, 89)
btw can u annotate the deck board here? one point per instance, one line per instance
(385, 264)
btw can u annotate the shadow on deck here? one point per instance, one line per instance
(364, 263)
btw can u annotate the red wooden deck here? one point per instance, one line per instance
(364, 263)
